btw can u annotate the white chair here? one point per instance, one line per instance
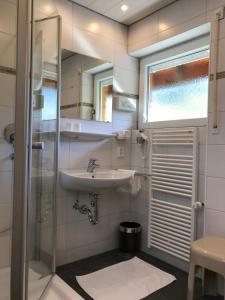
(208, 253)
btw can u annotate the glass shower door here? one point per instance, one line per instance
(44, 121)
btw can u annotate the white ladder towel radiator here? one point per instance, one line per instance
(173, 169)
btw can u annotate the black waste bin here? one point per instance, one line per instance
(130, 236)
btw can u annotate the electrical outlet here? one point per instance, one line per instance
(120, 152)
(214, 130)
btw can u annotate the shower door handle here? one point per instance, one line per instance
(38, 145)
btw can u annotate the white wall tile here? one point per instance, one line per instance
(202, 158)
(44, 8)
(5, 216)
(113, 203)
(219, 137)
(6, 163)
(80, 154)
(212, 4)
(90, 21)
(123, 115)
(120, 35)
(121, 162)
(7, 89)
(162, 25)
(6, 187)
(220, 95)
(216, 161)
(184, 11)
(5, 245)
(183, 27)
(214, 223)
(64, 152)
(136, 158)
(201, 188)
(65, 9)
(90, 250)
(221, 61)
(83, 233)
(7, 50)
(67, 36)
(215, 193)
(140, 30)
(202, 135)
(124, 82)
(8, 17)
(120, 125)
(123, 60)
(91, 44)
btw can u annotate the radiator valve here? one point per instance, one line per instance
(198, 205)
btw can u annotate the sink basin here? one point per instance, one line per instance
(100, 179)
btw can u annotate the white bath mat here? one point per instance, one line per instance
(130, 280)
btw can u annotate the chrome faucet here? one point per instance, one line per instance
(92, 165)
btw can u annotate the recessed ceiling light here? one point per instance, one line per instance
(124, 7)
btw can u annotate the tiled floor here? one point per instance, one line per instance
(175, 291)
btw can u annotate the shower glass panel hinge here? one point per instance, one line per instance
(38, 145)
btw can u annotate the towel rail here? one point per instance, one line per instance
(169, 204)
(173, 184)
(174, 163)
(173, 169)
(172, 155)
(173, 213)
(170, 188)
(172, 144)
(172, 229)
(171, 209)
(168, 233)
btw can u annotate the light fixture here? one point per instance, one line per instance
(124, 7)
(48, 9)
(93, 27)
(163, 26)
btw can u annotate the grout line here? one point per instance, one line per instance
(7, 70)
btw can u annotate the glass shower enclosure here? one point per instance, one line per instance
(44, 122)
(29, 120)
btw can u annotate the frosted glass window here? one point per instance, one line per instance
(178, 89)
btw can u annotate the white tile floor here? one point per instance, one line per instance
(59, 290)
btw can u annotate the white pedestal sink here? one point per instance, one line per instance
(100, 179)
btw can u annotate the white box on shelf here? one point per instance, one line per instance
(124, 103)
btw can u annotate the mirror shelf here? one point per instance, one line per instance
(78, 136)
(86, 136)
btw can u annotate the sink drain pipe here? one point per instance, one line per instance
(85, 210)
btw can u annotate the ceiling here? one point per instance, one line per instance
(137, 9)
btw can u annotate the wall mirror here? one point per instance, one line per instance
(86, 87)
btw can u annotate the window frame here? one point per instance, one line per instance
(106, 81)
(177, 52)
(99, 77)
